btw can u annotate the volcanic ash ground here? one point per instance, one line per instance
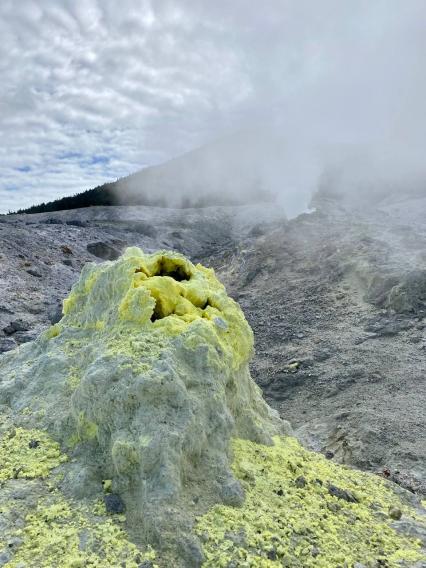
(131, 434)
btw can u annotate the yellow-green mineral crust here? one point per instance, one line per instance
(28, 454)
(302, 510)
(144, 383)
(53, 531)
(65, 535)
(162, 292)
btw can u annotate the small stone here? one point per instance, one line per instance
(146, 564)
(103, 250)
(237, 537)
(315, 551)
(34, 272)
(16, 325)
(54, 313)
(293, 366)
(272, 554)
(359, 565)
(114, 504)
(395, 513)
(342, 494)
(329, 455)
(191, 552)
(7, 344)
(232, 493)
(66, 249)
(300, 482)
(14, 542)
(33, 444)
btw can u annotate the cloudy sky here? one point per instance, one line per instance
(92, 90)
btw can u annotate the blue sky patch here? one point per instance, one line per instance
(70, 156)
(99, 160)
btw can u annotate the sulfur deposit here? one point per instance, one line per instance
(131, 434)
(143, 383)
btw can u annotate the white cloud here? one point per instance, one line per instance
(139, 81)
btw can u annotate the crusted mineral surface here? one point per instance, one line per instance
(143, 383)
(131, 434)
(303, 511)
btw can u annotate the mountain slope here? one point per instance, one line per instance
(205, 176)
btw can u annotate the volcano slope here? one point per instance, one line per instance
(336, 299)
(131, 434)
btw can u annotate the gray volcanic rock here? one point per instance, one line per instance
(105, 251)
(7, 343)
(16, 325)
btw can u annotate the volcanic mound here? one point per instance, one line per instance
(132, 434)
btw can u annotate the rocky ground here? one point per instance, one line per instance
(336, 298)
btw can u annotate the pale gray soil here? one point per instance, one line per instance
(336, 298)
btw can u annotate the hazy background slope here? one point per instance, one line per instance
(259, 166)
(232, 170)
(336, 298)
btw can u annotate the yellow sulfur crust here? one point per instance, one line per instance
(19, 460)
(289, 518)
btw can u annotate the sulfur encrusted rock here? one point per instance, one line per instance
(143, 382)
(131, 434)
